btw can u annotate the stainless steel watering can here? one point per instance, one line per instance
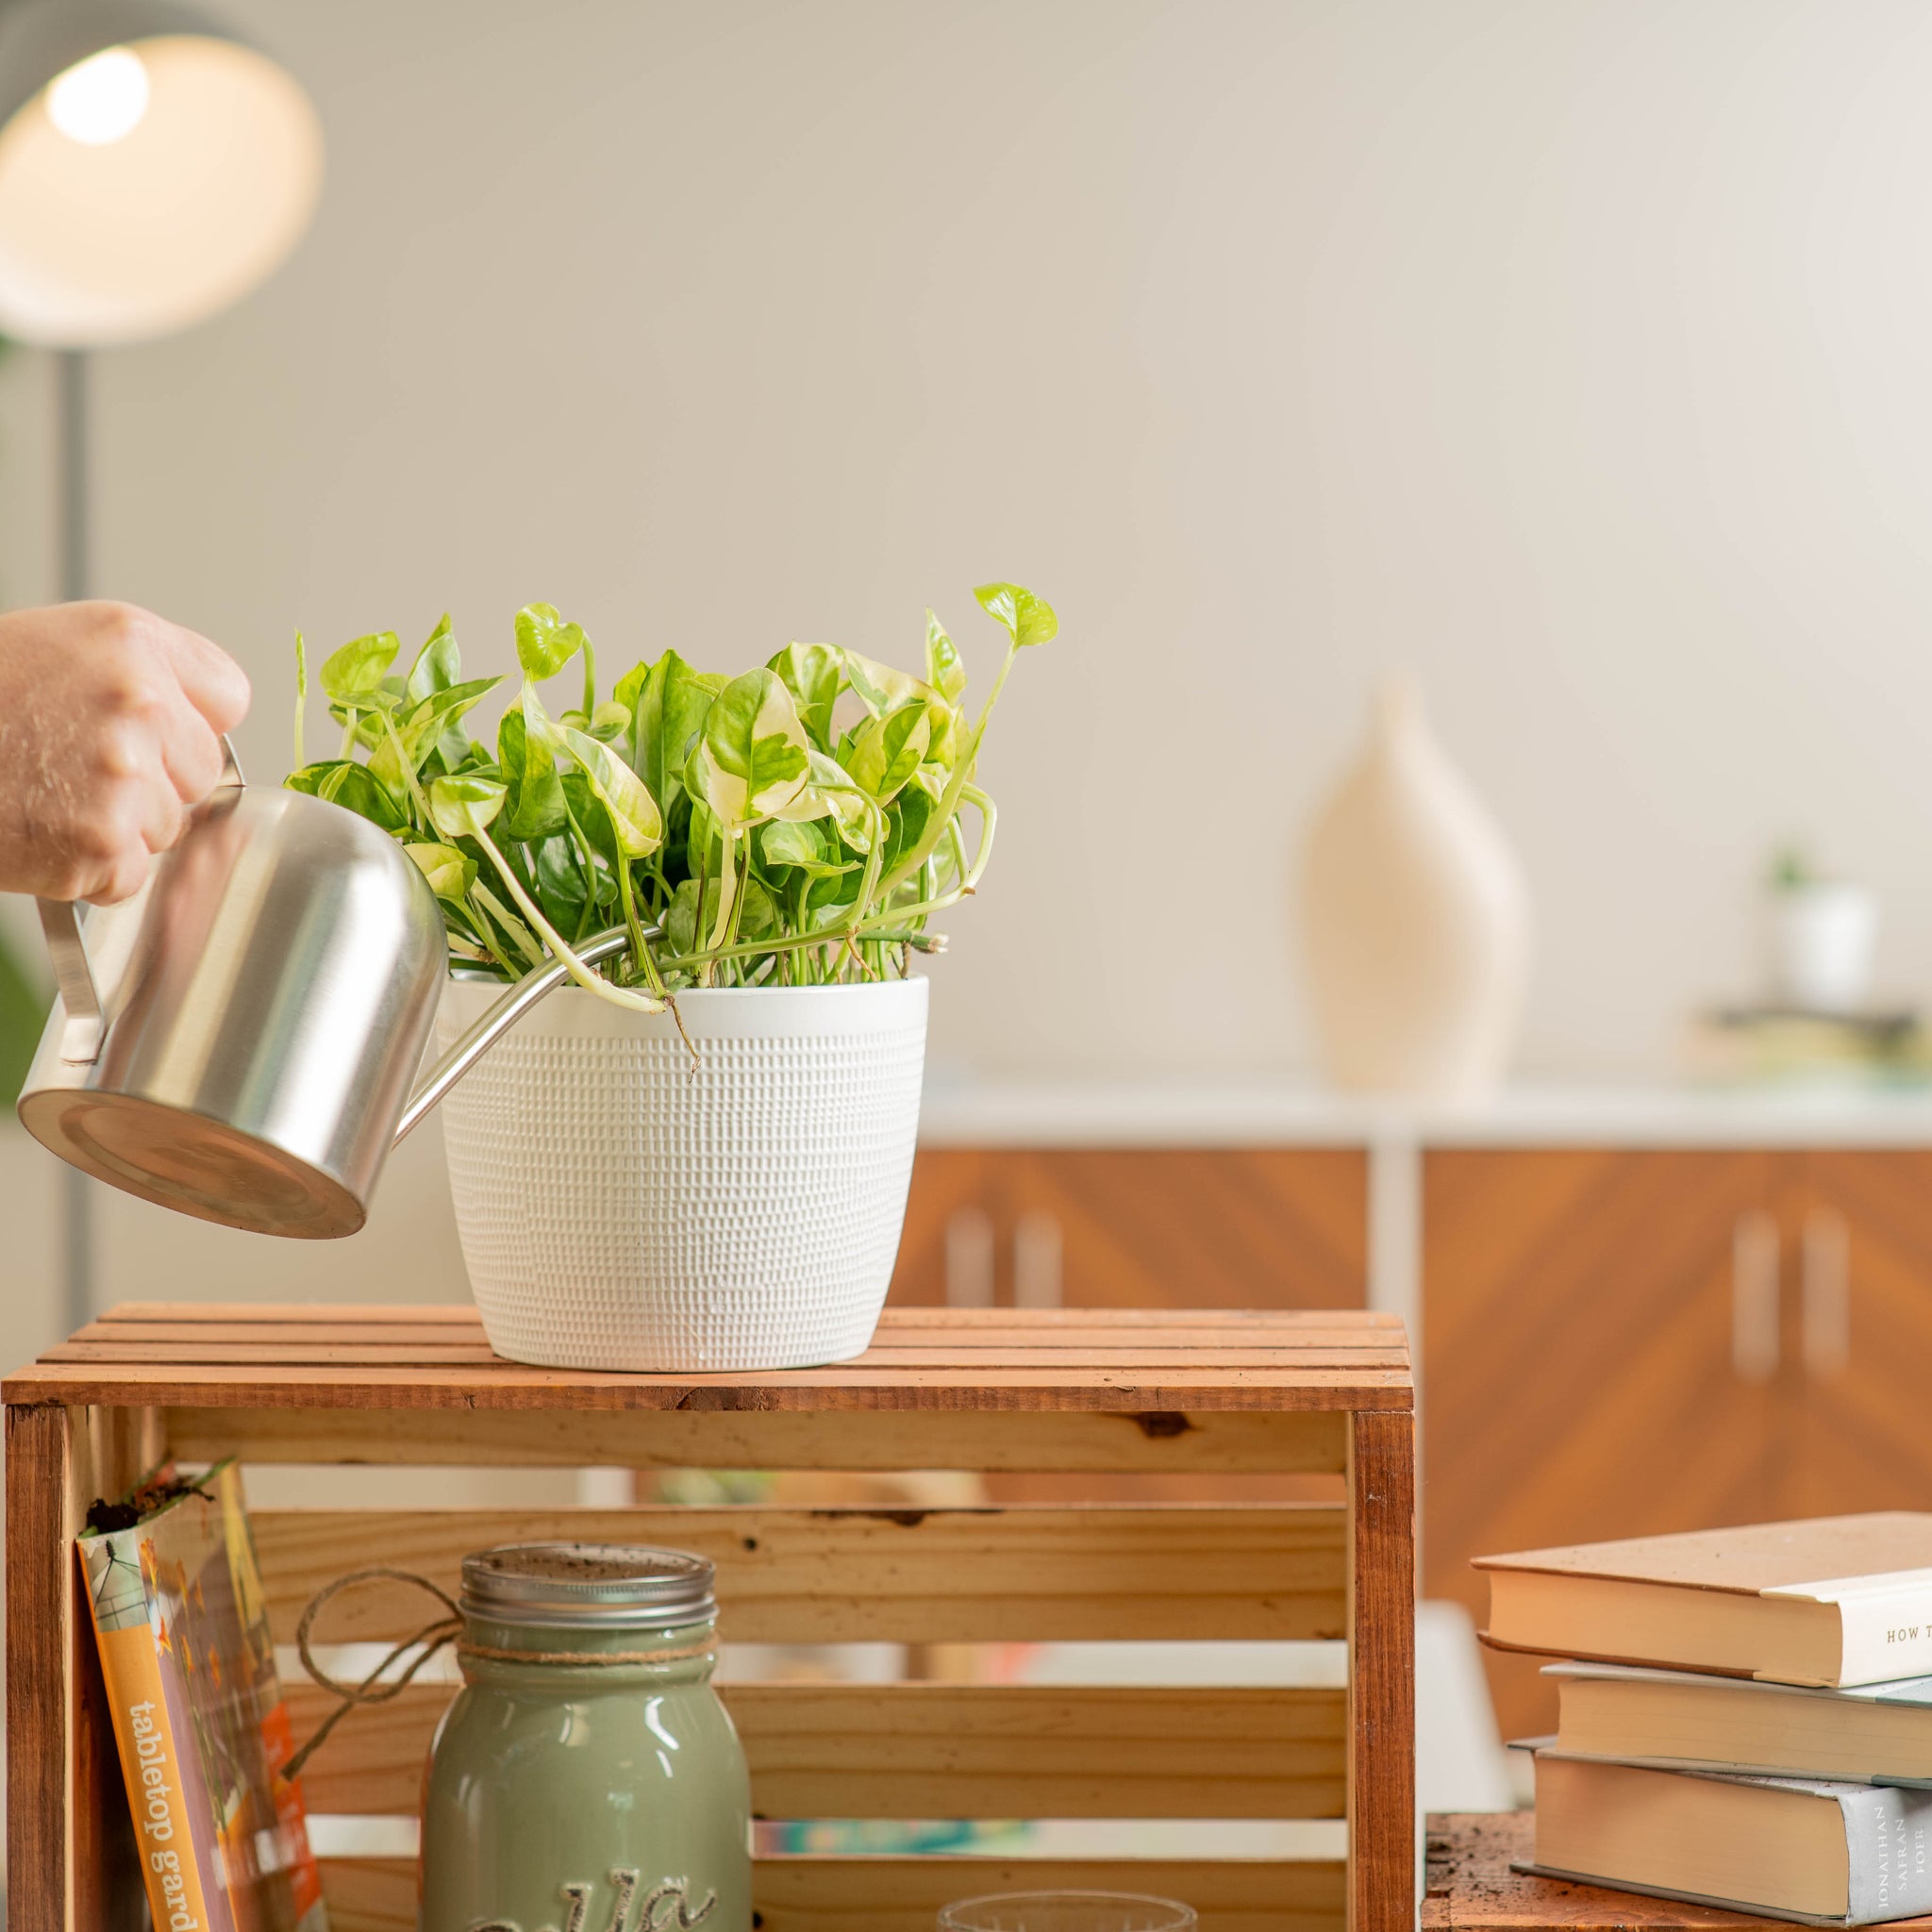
(238, 1040)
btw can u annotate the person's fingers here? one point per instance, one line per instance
(210, 680)
(121, 878)
(161, 814)
(191, 752)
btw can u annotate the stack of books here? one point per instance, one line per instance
(1746, 1714)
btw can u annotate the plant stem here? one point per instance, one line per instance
(586, 977)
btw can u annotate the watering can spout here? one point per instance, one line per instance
(496, 1022)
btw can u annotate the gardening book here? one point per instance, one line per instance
(1833, 1600)
(1878, 1734)
(199, 1720)
(1821, 1852)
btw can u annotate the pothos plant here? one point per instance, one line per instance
(796, 826)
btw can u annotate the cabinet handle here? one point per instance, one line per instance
(1753, 1296)
(1037, 1251)
(1828, 1291)
(969, 1259)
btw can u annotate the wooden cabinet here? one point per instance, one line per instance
(1619, 1342)
(1136, 1227)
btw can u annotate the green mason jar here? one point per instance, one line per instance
(585, 1778)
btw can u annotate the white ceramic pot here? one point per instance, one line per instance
(620, 1211)
(1822, 939)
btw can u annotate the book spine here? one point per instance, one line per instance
(152, 1770)
(1888, 1841)
(1885, 1635)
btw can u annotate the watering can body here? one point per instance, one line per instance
(238, 1040)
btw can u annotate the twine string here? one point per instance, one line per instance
(433, 1637)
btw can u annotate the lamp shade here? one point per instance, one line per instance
(153, 169)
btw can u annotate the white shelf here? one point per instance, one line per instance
(1113, 1113)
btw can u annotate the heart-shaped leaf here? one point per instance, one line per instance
(527, 753)
(353, 675)
(463, 808)
(450, 873)
(752, 758)
(813, 673)
(545, 643)
(1030, 620)
(883, 753)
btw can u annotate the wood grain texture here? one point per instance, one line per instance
(1172, 1571)
(1858, 1429)
(1470, 1888)
(1146, 1392)
(1578, 1364)
(939, 1360)
(880, 1895)
(72, 1858)
(939, 1751)
(1381, 1675)
(1155, 1227)
(1136, 1441)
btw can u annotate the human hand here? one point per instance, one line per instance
(109, 730)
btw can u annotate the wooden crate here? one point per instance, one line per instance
(1093, 1392)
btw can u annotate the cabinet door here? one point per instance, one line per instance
(1137, 1227)
(1858, 1301)
(1600, 1348)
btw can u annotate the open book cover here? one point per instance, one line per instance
(199, 1720)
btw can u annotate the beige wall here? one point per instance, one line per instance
(1575, 356)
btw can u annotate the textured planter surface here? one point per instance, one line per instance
(619, 1211)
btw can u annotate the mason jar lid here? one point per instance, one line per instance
(605, 1586)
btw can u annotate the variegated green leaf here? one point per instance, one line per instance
(944, 670)
(883, 753)
(880, 688)
(462, 808)
(450, 873)
(352, 676)
(1029, 620)
(814, 675)
(635, 820)
(545, 643)
(752, 758)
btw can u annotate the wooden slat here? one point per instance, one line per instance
(510, 1386)
(893, 1321)
(828, 1894)
(940, 1751)
(1083, 1360)
(445, 1356)
(1172, 1571)
(1153, 1441)
(71, 1851)
(1381, 1672)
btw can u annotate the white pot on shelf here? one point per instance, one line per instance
(1821, 938)
(620, 1210)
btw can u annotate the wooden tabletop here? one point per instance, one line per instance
(1471, 1888)
(1138, 1359)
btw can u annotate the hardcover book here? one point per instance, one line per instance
(199, 1721)
(1832, 1599)
(1878, 1734)
(1821, 1852)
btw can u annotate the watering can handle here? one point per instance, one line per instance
(73, 973)
(498, 1020)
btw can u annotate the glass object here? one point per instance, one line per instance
(586, 1775)
(1067, 1912)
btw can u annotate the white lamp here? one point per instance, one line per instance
(153, 169)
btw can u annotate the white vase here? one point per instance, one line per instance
(1822, 937)
(619, 1210)
(1415, 920)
